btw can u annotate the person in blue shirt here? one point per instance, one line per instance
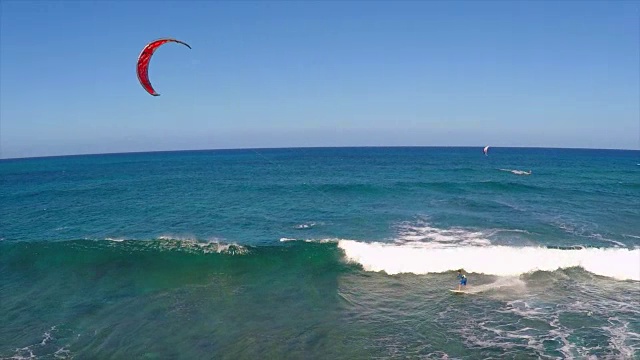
(463, 280)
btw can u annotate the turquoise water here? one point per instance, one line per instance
(321, 253)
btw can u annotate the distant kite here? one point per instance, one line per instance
(143, 62)
(486, 150)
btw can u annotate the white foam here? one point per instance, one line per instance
(28, 351)
(620, 334)
(511, 282)
(213, 245)
(320, 241)
(62, 353)
(455, 236)
(616, 243)
(305, 226)
(423, 258)
(517, 172)
(23, 354)
(47, 336)
(178, 238)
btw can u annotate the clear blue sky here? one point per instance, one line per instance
(330, 73)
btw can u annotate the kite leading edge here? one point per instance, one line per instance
(143, 62)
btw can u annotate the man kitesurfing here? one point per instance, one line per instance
(463, 280)
(486, 150)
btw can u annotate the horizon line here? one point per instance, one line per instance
(309, 147)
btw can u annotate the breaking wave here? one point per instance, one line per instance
(424, 258)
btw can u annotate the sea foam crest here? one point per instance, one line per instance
(185, 244)
(423, 232)
(212, 245)
(318, 241)
(423, 258)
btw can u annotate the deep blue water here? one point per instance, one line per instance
(321, 253)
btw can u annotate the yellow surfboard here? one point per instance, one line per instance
(458, 291)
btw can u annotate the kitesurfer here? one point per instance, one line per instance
(463, 280)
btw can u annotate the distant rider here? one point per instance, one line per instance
(463, 280)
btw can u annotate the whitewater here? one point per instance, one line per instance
(421, 258)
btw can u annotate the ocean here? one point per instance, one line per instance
(321, 253)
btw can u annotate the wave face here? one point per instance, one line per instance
(476, 255)
(155, 264)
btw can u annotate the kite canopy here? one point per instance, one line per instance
(143, 62)
(486, 150)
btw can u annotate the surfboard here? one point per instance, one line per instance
(458, 291)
